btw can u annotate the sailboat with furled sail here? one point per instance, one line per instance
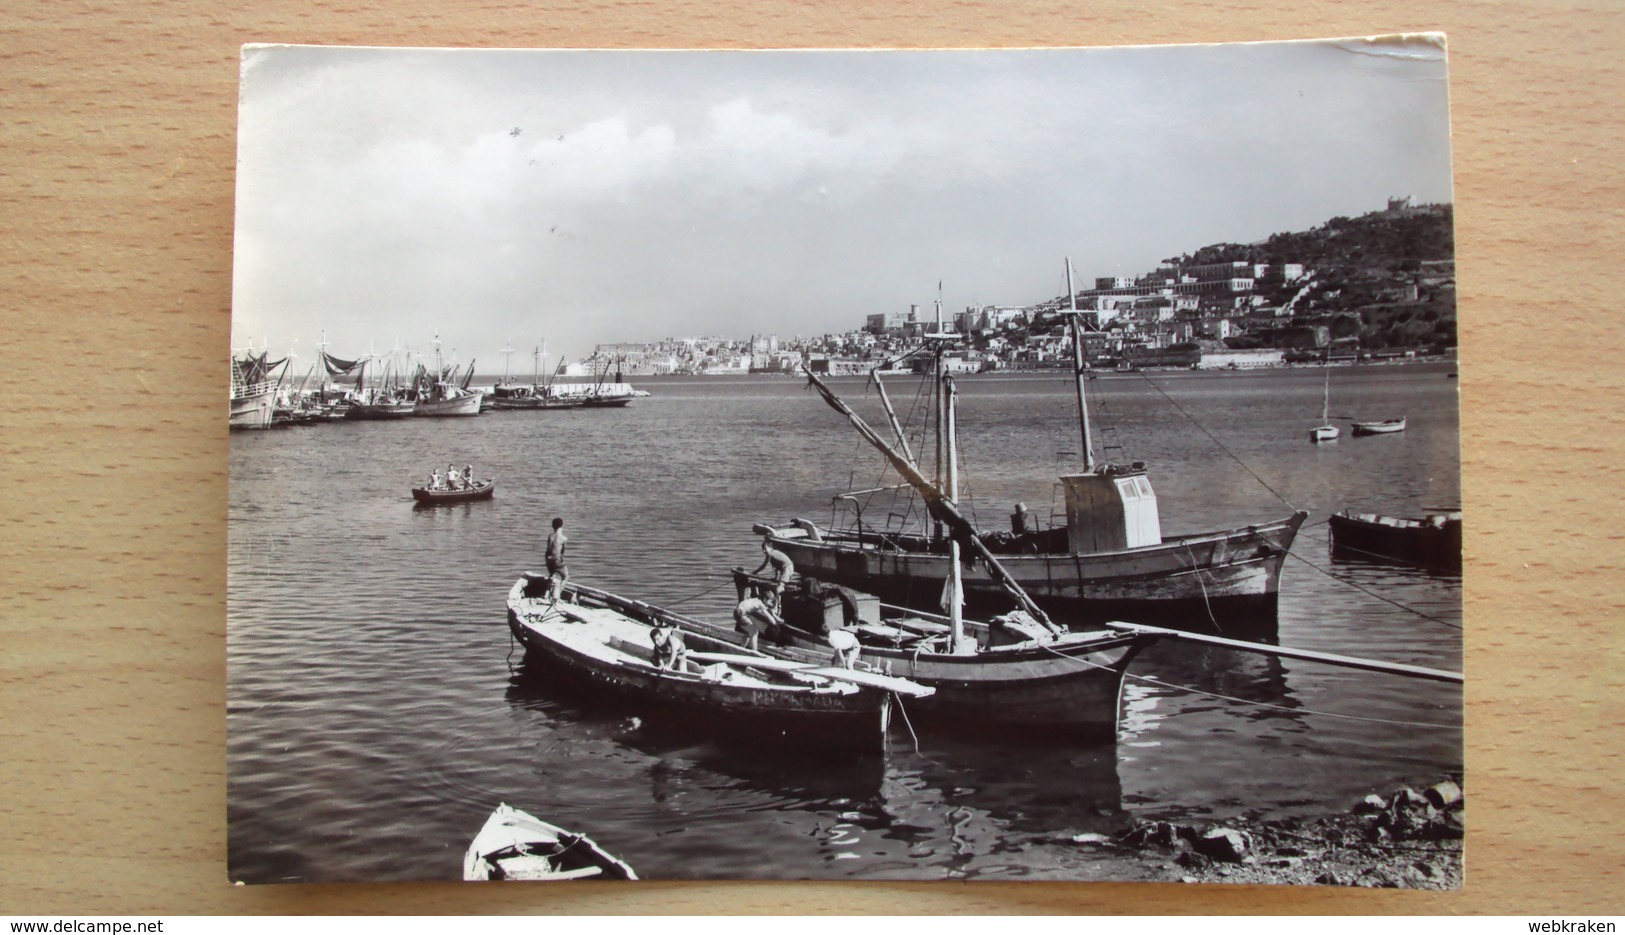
(1109, 560)
(1017, 671)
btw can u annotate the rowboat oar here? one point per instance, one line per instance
(1352, 662)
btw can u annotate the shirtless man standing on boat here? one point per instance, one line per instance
(783, 568)
(557, 572)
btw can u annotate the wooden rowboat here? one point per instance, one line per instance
(624, 650)
(481, 490)
(1433, 542)
(1011, 674)
(1384, 427)
(516, 845)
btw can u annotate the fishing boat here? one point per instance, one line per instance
(1325, 431)
(1109, 560)
(532, 395)
(253, 391)
(479, 490)
(1431, 542)
(516, 845)
(631, 653)
(1383, 427)
(1017, 671)
(441, 394)
(383, 401)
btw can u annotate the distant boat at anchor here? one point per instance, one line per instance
(1383, 427)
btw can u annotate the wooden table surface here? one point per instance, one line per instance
(118, 138)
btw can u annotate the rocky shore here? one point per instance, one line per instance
(1408, 840)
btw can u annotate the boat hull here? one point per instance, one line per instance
(458, 406)
(379, 412)
(1054, 689)
(1189, 582)
(1372, 537)
(1378, 428)
(850, 719)
(515, 845)
(253, 410)
(429, 497)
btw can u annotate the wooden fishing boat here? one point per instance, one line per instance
(378, 405)
(625, 650)
(441, 394)
(480, 490)
(253, 392)
(1382, 427)
(522, 396)
(1432, 542)
(1110, 560)
(515, 845)
(448, 400)
(1012, 672)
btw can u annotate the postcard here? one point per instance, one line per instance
(1034, 464)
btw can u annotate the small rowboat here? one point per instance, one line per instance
(516, 845)
(1324, 433)
(429, 496)
(1385, 427)
(628, 652)
(1434, 542)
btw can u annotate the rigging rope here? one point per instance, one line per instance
(1264, 704)
(1244, 701)
(1215, 441)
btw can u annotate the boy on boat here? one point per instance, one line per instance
(783, 568)
(752, 617)
(557, 572)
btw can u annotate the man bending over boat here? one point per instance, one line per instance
(752, 617)
(783, 568)
(557, 572)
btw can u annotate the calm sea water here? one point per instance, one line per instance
(378, 710)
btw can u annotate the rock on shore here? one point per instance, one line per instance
(1409, 840)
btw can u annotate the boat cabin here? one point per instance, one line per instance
(1112, 508)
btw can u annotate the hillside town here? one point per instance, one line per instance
(1377, 286)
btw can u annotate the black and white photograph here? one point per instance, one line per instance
(1028, 464)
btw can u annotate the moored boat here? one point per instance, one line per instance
(516, 845)
(1380, 427)
(447, 400)
(253, 392)
(480, 490)
(1110, 560)
(1326, 431)
(1432, 542)
(1012, 672)
(627, 651)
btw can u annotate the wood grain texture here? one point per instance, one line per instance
(117, 152)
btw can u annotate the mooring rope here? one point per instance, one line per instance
(1265, 704)
(1222, 446)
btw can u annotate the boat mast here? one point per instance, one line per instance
(956, 599)
(1078, 370)
(941, 510)
(891, 415)
(507, 355)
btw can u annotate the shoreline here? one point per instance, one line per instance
(1405, 840)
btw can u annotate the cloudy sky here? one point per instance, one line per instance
(506, 197)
